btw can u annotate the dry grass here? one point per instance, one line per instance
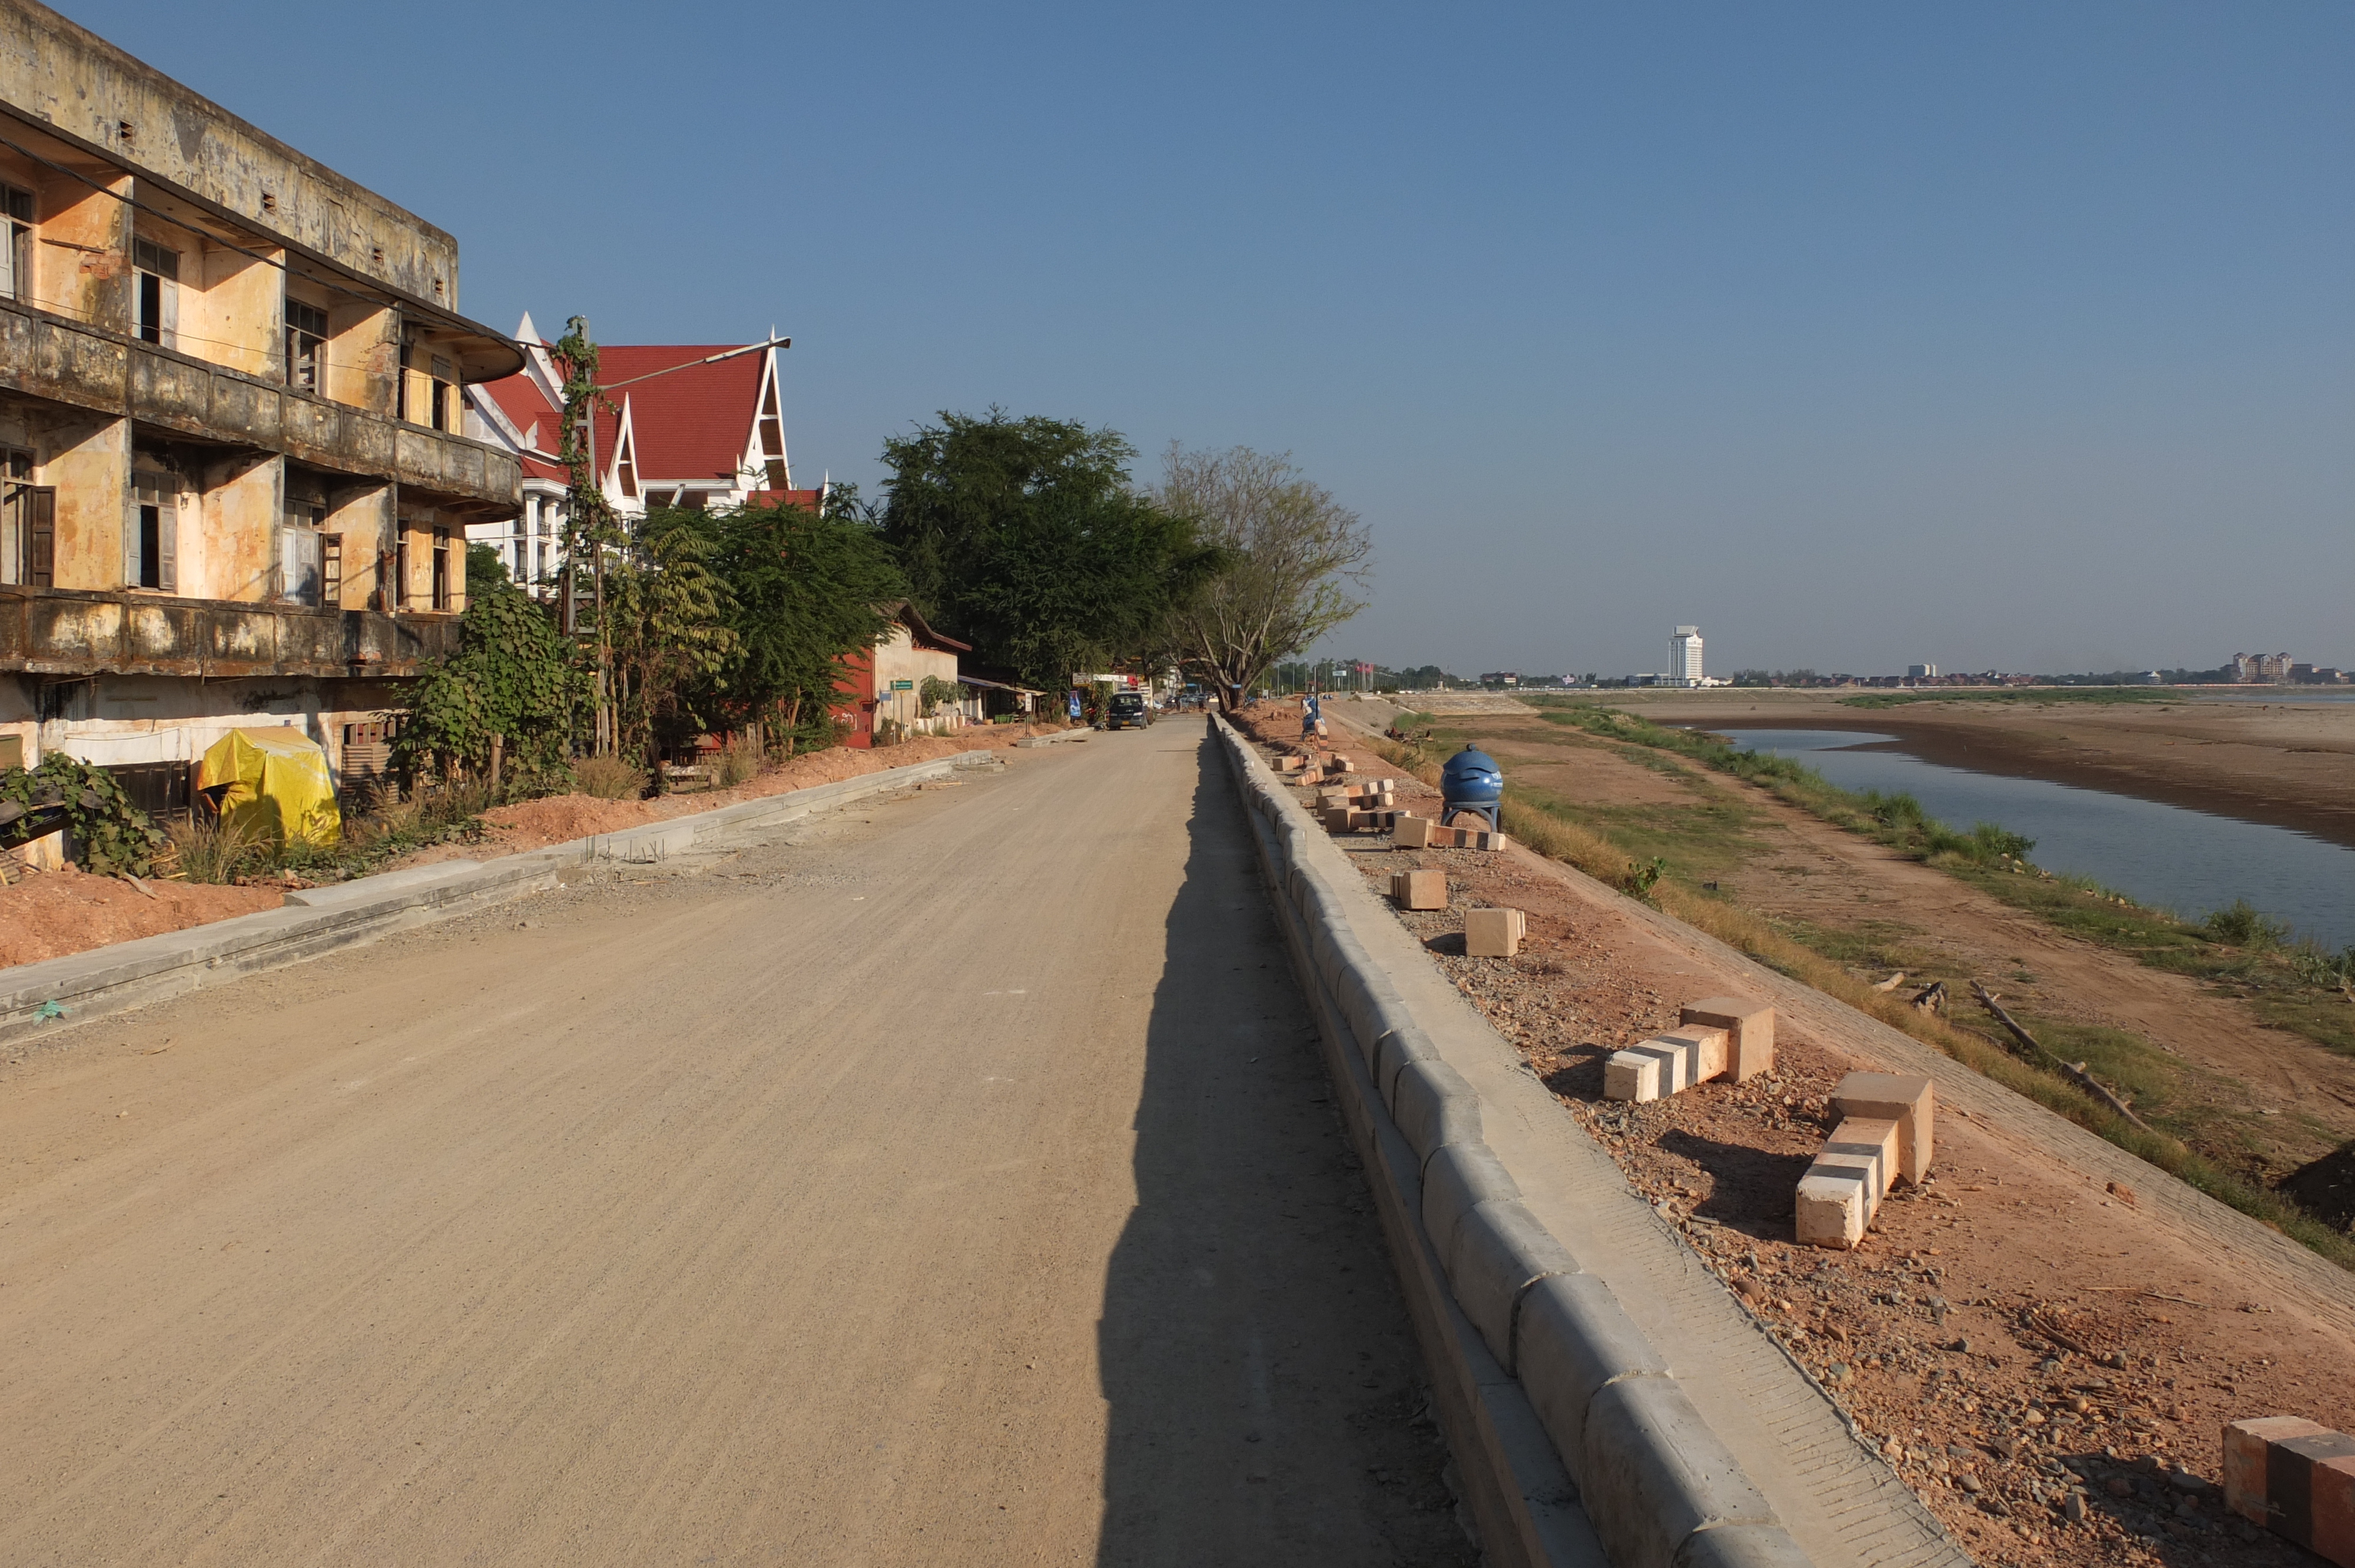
(609, 777)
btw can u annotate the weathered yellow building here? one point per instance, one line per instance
(234, 488)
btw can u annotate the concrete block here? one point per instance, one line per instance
(1392, 1052)
(1907, 1100)
(1413, 833)
(1494, 933)
(1842, 1189)
(1500, 1249)
(1654, 1474)
(1457, 1178)
(2297, 1480)
(1750, 1024)
(1665, 1065)
(1433, 1107)
(1419, 889)
(1290, 764)
(1570, 1337)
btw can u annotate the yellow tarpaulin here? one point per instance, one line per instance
(274, 785)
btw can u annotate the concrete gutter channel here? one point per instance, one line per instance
(1607, 1400)
(317, 920)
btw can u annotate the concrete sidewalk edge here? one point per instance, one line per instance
(1654, 1478)
(108, 980)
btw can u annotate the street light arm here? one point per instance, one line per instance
(707, 359)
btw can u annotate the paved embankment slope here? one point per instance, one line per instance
(957, 1186)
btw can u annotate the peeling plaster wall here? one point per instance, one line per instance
(57, 72)
(363, 517)
(81, 262)
(240, 513)
(90, 466)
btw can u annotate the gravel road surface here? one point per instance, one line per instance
(950, 1180)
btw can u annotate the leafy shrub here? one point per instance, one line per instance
(2315, 967)
(1638, 881)
(514, 677)
(111, 836)
(936, 694)
(2239, 924)
(609, 777)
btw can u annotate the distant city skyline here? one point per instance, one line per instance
(2005, 334)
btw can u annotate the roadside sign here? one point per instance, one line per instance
(903, 686)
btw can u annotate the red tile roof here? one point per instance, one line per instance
(694, 424)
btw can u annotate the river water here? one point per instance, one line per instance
(2166, 857)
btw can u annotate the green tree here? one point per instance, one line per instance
(1025, 538)
(665, 628)
(513, 679)
(805, 588)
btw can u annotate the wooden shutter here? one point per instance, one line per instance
(42, 535)
(168, 540)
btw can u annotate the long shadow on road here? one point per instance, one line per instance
(1265, 1389)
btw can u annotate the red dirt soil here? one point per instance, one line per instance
(53, 913)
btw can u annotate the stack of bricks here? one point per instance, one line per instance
(1422, 833)
(1885, 1133)
(1494, 933)
(2296, 1480)
(1291, 763)
(1721, 1036)
(1353, 806)
(1419, 889)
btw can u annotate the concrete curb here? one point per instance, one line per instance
(317, 920)
(1593, 1412)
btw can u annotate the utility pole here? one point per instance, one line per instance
(589, 505)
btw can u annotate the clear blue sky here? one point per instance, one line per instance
(1990, 334)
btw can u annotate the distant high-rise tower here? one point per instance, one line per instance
(1684, 657)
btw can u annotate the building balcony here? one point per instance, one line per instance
(64, 361)
(70, 633)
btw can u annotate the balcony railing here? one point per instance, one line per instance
(50, 356)
(66, 631)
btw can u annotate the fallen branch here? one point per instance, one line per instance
(1893, 983)
(2074, 1072)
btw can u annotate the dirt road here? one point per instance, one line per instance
(951, 1182)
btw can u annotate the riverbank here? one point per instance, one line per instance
(2286, 763)
(1843, 911)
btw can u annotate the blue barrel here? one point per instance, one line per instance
(1471, 779)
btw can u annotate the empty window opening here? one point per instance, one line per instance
(399, 595)
(444, 395)
(306, 345)
(151, 540)
(15, 243)
(158, 273)
(331, 570)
